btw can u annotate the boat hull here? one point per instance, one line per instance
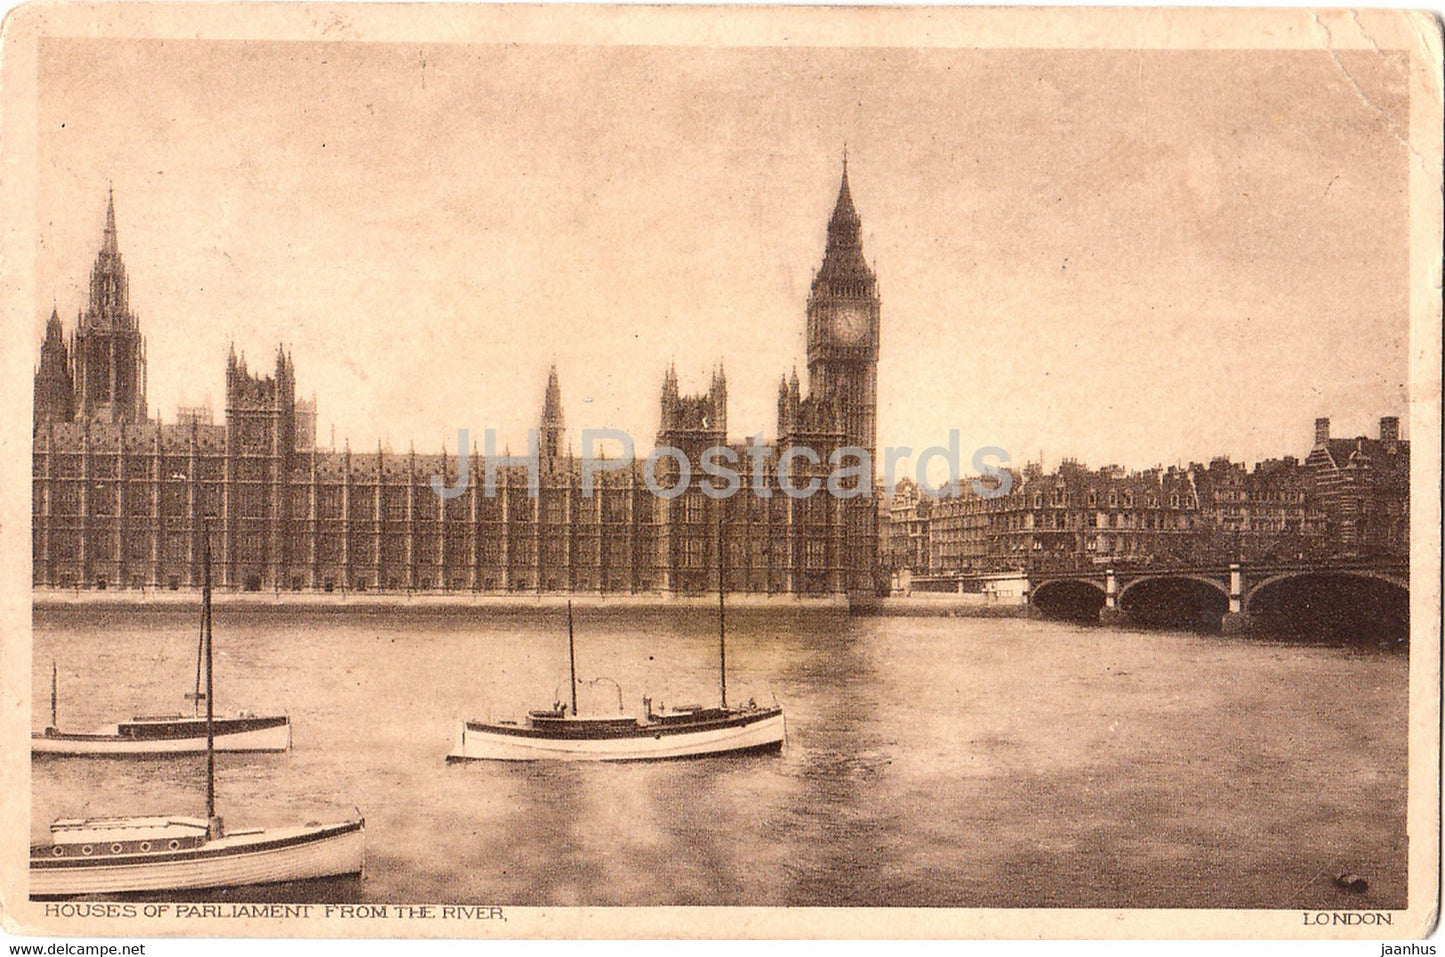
(271, 733)
(264, 856)
(754, 732)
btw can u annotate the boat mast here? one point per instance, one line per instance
(195, 695)
(210, 710)
(53, 681)
(722, 628)
(572, 657)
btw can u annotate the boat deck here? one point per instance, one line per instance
(550, 725)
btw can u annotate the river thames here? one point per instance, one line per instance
(930, 761)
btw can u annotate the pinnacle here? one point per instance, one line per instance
(110, 244)
(552, 402)
(845, 216)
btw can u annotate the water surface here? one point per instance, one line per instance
(929, 761)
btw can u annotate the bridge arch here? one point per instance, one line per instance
(1214, 583)
(1070, 598)
(1177, 600)
(1364, 573)
(1047, 582)
(1354, 605)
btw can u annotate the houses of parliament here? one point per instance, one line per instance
(122, 500)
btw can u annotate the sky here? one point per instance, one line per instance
(1133, 257)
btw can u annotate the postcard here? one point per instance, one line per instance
(614, 471)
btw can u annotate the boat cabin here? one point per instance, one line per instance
(102, 837)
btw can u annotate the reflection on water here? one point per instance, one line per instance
(929, 761)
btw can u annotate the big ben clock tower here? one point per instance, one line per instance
(843, 314)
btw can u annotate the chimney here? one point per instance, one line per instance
(1322, 431)
(1390, 428)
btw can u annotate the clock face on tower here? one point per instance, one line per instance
(851, 322)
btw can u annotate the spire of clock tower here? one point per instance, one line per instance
(845, 221)
(844, 271)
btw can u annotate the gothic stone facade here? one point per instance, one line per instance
(122, 501)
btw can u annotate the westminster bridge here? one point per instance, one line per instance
(1360, 597)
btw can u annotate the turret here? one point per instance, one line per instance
(667, 404)
(108, 354)
(551, 426)
(719, 394)
(689, 419)
(54, 387)
(109, 285)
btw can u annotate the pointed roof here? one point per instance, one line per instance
(53, 352)
(845, 221)
(844, 270)
(669, 383)
(110, 245)
(552, 403)
(109, 302)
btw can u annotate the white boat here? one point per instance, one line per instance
(124, 855)
(167, 734)
(176, 852)
(682, 733)
(164, 734)
(691, 732)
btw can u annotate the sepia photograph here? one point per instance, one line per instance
(556, 471)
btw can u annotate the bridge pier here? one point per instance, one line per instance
(1236, 621)
(1111, 613)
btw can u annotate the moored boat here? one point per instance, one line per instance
(176, 852)
(164, 734)
(655, 736)
(125, 855)
(167, 734)
(690, 732)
